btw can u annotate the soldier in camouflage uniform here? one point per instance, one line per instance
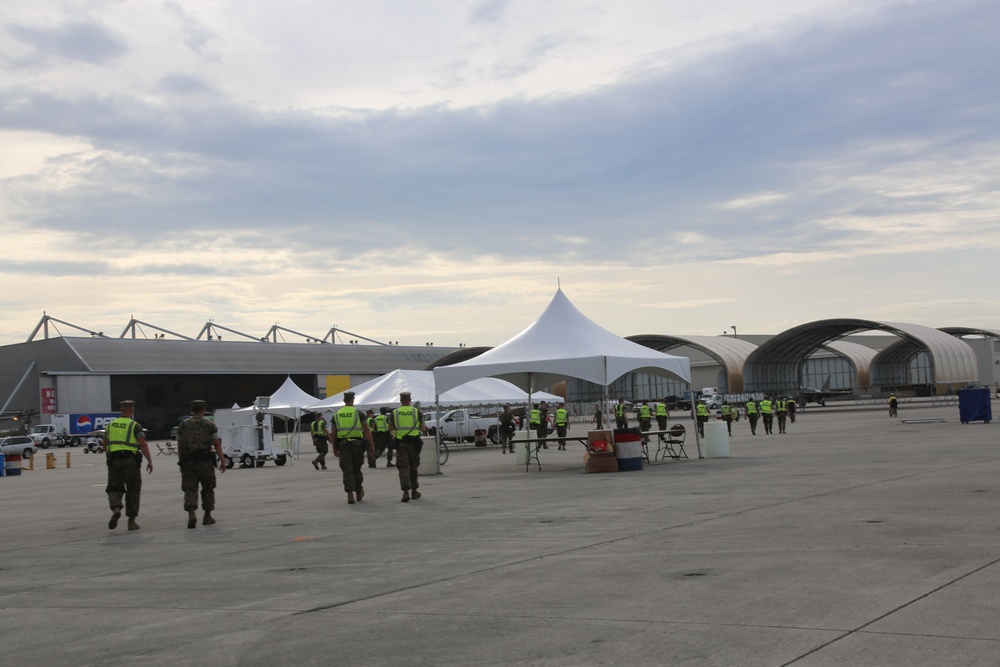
(125, 444)
(380, 430)
(406, 425)
(196, 438)
(321, 441)
(350, 432)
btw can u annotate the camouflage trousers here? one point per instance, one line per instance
(753, 417)
(407, 462)
(193, 475)
(352, 458)
(322, 446)
(381, 444)
(124, 480)
(661, 423)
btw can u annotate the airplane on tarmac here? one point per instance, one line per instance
(819, 396)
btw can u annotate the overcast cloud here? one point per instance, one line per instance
(429, 175)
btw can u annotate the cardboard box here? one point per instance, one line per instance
(601, 442)
(601, 462)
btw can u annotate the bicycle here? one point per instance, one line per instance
(443, 453)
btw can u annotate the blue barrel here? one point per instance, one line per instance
(3, 466)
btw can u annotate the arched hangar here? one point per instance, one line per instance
(776, 366)
(730, 352)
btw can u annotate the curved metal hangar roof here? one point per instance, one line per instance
(776, 363)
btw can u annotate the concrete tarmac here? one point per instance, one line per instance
(854, 539)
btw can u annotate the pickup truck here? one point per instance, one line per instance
(461, 424)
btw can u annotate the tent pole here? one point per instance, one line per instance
(437, 434)
(527, 429)
(606, 400)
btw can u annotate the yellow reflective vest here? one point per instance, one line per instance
(348, 423)
(406, 419)
(121, 436)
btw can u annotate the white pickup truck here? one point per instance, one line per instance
(461, 424)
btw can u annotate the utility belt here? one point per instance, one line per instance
(346, 441)
(201, 455)
(123, 454)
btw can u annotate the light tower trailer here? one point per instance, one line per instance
(247, 439)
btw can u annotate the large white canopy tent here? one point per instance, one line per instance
(561, 343)
(384, 391)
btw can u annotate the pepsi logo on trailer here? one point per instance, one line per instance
(85, 423)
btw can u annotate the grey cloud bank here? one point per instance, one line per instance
(873, 134)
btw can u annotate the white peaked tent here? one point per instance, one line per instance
(384, 391)
(288, 401)
(563, 343)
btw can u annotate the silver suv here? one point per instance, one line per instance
(17, 444)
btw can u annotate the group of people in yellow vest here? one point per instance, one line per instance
(766, 409)
(393, 431)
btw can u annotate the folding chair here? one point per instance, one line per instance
(160, 449)
(675, 438)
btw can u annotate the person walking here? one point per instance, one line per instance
(792, 407)
(197, 437)
(752, 415)
(645, 416)
(701, 413)
(781, 409)
(350, 432)
(893, 406)
(321, 441)
(507, 430)
(383, 440)
(727, 416)
(562, 424)
(406, 425)
(124, 440)
(372, 453)
(662, 413)
(542, 431)
(767, 413)
(534, 419)
(621, 419)
(598, 417)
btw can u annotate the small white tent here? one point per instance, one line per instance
(288, 401)
(384, 391)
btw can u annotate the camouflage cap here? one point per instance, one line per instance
(198, 404)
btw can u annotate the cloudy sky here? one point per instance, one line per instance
(429, 171)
